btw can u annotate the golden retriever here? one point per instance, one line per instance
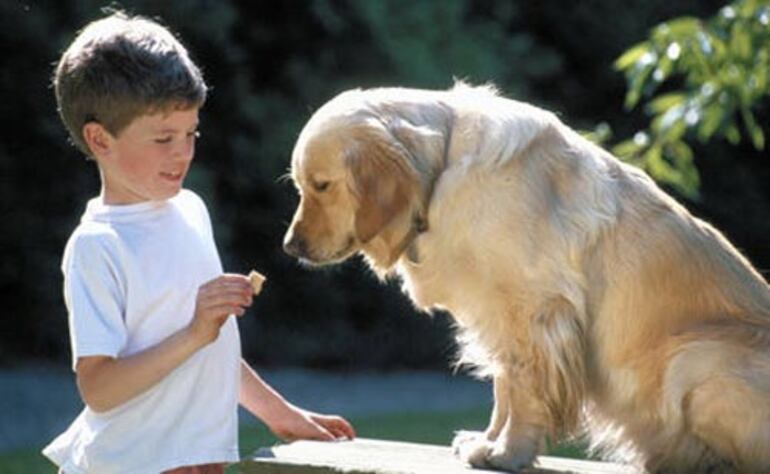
(595, 302)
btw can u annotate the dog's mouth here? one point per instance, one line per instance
(336, 257)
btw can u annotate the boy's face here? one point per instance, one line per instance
(149, 159)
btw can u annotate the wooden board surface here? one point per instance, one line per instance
(369, 456)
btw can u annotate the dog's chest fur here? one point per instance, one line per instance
(453, 272)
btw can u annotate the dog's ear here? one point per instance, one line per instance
(384, 181)
(420, 140)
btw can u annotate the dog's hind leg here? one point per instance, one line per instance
(721, 391)
(733, 419)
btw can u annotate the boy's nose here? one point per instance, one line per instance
(185, 151)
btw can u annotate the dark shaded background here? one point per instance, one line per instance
(270, 65)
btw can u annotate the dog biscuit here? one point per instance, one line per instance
(257, 279)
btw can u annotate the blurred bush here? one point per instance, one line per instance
(269, 68)
(719, 69)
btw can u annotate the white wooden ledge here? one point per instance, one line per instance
(369, 456)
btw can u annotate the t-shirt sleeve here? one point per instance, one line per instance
(94, 295)
(202, 213)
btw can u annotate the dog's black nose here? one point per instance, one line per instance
(295, 246)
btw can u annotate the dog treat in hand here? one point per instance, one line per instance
(257, 279)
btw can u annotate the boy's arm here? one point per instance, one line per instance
(287, 421)
(106, 382)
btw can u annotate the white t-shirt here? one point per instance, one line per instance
(131, 276)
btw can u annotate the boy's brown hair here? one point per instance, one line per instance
(120, 67)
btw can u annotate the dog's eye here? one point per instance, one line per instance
(321, 186)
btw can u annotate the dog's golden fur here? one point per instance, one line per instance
(592, 298)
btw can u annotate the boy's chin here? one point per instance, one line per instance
(168, 194)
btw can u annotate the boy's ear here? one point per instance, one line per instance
(97, 138)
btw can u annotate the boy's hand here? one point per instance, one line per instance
(297, 423)
(218, 299)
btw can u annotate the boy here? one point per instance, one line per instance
(155, 349)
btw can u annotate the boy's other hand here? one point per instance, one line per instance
(297, 423)
(217, 299)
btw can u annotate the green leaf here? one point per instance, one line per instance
(683, 173)
(760, 77)
(740, 42)
(684, 26)
(680, 152)
(711, 121)
(653, 161)
(626, 149)
(755, 132)
(662, 69)
(662, 123)
(664, 102)
(732, 134)
(631, 56)
(635, 87)
(676, 131)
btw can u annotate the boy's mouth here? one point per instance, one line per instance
(171, 176)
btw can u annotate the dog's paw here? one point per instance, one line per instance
(472, 447)
(511, 458)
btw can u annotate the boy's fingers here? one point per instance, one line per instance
(322, 434)
(242, 290)
(219, 309)
(347, 429)
(222, 311)
(235, 279)
(225, 295)
(228, 280)
(340, 427)
(227, 286)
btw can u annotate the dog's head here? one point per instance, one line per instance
(358, 182)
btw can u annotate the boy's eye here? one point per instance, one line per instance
(164, 139)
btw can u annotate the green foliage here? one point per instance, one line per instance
(717, 71)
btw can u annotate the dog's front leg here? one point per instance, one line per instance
(473, 447)
(523, 435)
(515, 433)
(501, 409)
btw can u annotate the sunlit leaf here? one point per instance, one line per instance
(631, 56)
(712, 120)
(665, 121)
(636, 86)
(626, 149)
(664, 102)
(684, 26)
(740, 42)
